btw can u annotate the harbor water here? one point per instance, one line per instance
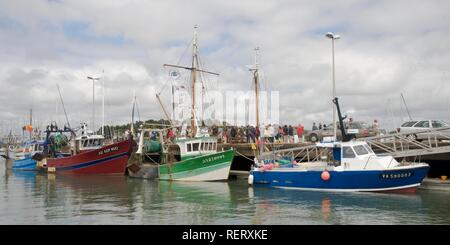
(33, 198)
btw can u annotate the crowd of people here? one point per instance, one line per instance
(249, 134)
(246, 134)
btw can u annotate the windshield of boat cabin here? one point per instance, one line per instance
(360, 150)
(369, 149)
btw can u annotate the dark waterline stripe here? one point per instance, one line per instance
(87, 164)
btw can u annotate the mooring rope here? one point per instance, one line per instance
(244, 156)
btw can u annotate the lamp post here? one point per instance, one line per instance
(93, 100)
(333, 37)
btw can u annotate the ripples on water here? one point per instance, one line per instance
(30, 198)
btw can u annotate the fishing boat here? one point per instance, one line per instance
(200, 160)
(86, 155)
(24, 159)
(351, 165)
(109, 159)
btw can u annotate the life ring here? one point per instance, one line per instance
(11, 148)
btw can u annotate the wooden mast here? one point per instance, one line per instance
(194, 69)
(255, 70)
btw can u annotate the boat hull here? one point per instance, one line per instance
(26, 164)
(394, 180)
(111, 159)
(210, 167)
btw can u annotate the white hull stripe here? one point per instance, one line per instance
(350, 190)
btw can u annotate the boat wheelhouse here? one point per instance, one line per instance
(193, 147)
(87, 141)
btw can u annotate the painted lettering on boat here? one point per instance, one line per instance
(214, 158)
(396, 175)
(108, 150)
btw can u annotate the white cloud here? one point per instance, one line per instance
(387, 48)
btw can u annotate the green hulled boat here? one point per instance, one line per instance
(200, 161)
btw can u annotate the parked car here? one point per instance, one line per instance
(414, 126)
(358, 128)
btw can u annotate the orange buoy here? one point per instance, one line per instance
(325, 175)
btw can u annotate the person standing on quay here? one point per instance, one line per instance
(300, 130)
(291, 134)
(376, 126)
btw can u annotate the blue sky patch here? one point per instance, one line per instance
(80, 31)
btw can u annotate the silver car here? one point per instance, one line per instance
(420, 125)
(358, 128)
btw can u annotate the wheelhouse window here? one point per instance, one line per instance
(195, 146)
(347, 152)
(368, 149)
(360, 150)
(189, 147)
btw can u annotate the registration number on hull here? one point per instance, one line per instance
(396, 175)
(212, 159)
(108, 150)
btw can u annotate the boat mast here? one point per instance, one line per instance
(103, 103)
(132, 113)
(193, 76)
(194, 69)
(31, 122)
(255, 70)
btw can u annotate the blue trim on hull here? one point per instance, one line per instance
(345, 180)
(88, 164)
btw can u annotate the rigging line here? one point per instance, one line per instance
(159, 91)
(406, 106)
(64, 108)
(185, 50)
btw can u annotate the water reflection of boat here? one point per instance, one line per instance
(334, 208)
(196, 191)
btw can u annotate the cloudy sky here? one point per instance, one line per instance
(386, 48)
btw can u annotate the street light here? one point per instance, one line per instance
(93, 100)
(333, 37)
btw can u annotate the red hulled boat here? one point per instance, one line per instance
(110, 159)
